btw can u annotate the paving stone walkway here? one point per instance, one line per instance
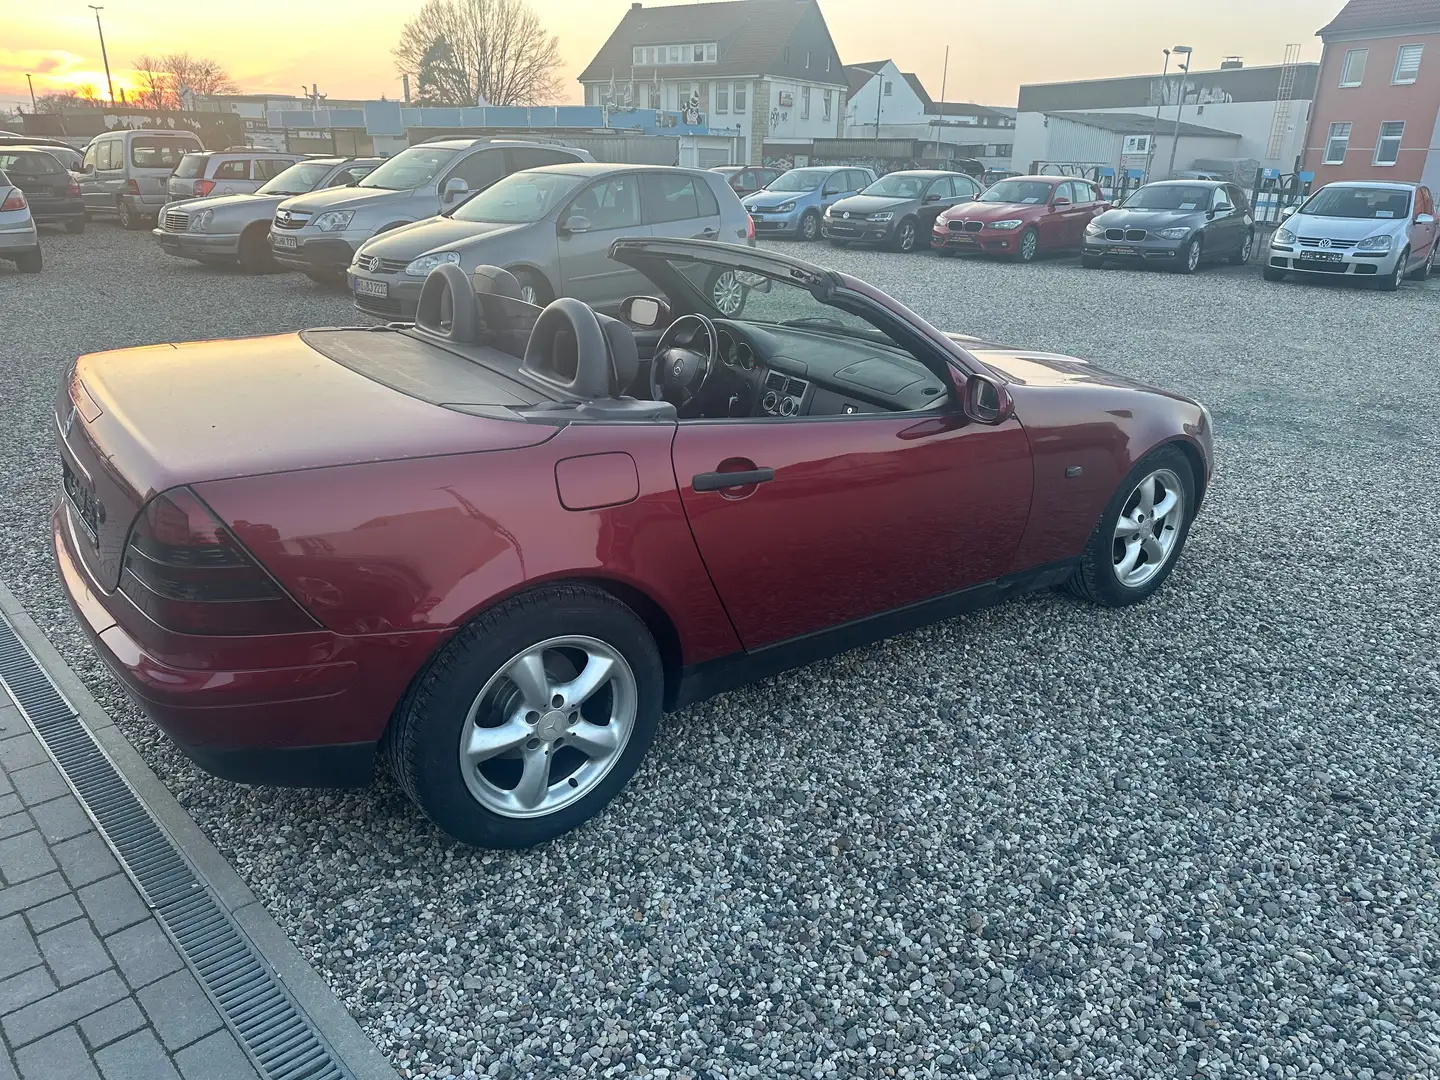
(90, 985)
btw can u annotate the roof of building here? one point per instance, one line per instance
(1137, 124)
(752, 35)
(1383, 15)
(919, 88)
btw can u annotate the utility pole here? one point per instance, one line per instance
(879, 99)
(33, 107)
(1185, 51)
(1155, 127)
(109, 83)
(940, 121)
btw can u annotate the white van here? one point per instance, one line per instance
(125, 172)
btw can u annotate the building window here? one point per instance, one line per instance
(807, 58)
(652, 96)
(889, 86)
(722, 97)
(1387, 147)
(804, 103)
(826, 105)
(785, 55)
(1353, 73)
(697, 54)
(637, 55)
(674, 54)
(1337, 144)
(738, 101)
(1407, 64)
(682, 95)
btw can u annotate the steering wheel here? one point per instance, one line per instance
(679, 370)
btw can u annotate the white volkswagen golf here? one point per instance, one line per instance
(1385, 231)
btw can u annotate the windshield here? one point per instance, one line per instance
(898, 186)
(1359, 202)
(29, 163)
(410, 168)
(160, 152)
(1170, 197)
(297, 179)
(798, 180)
(1019, 191)
(519, 198)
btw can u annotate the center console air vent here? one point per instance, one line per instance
(795, 388)
(775, 381)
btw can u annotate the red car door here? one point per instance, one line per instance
(1053, 222)
(864, 513)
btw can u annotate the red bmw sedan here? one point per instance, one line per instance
(496, 545)
(1021, 218)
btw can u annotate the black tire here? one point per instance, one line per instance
(1095, 578)
(75, 225)
(1190, 256)
(255, 254)
(1092, 262)
(129, 219)
(1273, 273)
(535, 285)
(1391, 281)
(809, 225)
(1242, 255)
(30, 262)
(1027, 247)
(423, 743)
(1428, 266)
(907, 235)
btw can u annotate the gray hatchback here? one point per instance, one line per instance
(552, 228)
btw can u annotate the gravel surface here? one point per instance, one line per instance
(1200, 837)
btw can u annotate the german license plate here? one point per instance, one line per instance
(962, 238)
(1123, 251)
(1322, 256)
(82, 498)
(288, 243)
(366, 287)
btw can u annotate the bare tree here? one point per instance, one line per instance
(53, 102)
(165, 81)
(155, 89)
(464, 50)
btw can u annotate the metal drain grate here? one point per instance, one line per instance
(279, 1037)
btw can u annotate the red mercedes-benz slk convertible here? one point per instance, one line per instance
(499, 543)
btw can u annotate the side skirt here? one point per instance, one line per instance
(700, 681)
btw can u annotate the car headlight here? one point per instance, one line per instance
(1009, 223)
(1178, 233)
(334, 220)
(1091, 229)
(785, 208)
(886, 216)
(1284, 236)
(1375, 243)
(425, 263)
(201, 221)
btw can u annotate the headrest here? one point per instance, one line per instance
(569, 351)
(447, 307)
(624, 355)
(493, 281)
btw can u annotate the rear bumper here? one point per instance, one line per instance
(318, 255)
(22, 239)
(273, 725)
(62, 210)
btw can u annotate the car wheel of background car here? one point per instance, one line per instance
(1092, 262)
(1273, 273)
(30, 262)
(905, 235)
(1426, 267)
(255, 253)
(534, 289)
(1028, 246)
(727, 294)
(1189, 260)
(1391, 281)
(1241, 257)
(75, 225)
(129, 219)
(809, 225)
(531, 719)
(1140, 535)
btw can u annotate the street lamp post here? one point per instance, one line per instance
(1155, 127)
(109, 83)
(1183, 71)
(33, 107)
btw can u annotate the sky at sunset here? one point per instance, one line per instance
(278, 46)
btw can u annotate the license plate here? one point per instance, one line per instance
(365, 287)
(82, 498)
(962, 238)
(1123, 251)
(289, 243)
(1322, 256)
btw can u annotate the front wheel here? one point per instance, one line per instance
(255, 255)
(1141, 534)
(533, 288)
(1241, 257)
(1028, 247)
(809, 225)
(1189, 260)
(905, 236)
(1391, 281)
(129, 217)
(532, 719)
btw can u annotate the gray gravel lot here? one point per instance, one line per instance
(1201, 837)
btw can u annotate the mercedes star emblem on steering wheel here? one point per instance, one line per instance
(678, 368)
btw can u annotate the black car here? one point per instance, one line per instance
(899, 209)
(50, 189)
(1177, 223)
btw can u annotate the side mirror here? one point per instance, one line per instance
(1289, 210)
(576, 223)
(645, 312)
(1060, 203)
(454, 188)
(88, 168)
(1424, 219)
(985, 400)
(932, 197)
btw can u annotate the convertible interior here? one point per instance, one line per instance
(476, 347)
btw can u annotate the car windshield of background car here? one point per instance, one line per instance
(1349, 202)
(30, 163)
(519, 198)
(411, 168)
(297, 179)
(1169, 197)
(1019, 191)
(159, 153)
(898, 187)
(798, 180)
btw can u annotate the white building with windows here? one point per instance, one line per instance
(752, 71)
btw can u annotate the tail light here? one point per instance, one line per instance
(132, 187)
(749, 227)
(73, 191)
(185, 570)
(14, 201)
(204, 187)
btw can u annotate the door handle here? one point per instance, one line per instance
(706, 234)
(719, 481)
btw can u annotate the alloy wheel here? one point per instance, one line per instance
(1247, 248)
(1029, 244)
(1192, 255)
(727, 294)
(906, 239)
(1148, 528)
(529, 294)
(808, 227)
(548, 726)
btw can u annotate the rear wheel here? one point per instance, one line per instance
(129, 219)
(1028, 247)
(30, 262)
(255, 253)
(534, 289)
(75, 225)
(904, 240)
(1391, 281)
(532, 719)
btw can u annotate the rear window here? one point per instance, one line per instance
(159, 152)
(191, 166)
(29, 163)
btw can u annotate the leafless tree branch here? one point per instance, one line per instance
(457, 51)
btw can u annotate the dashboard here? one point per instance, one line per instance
(782, 371)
